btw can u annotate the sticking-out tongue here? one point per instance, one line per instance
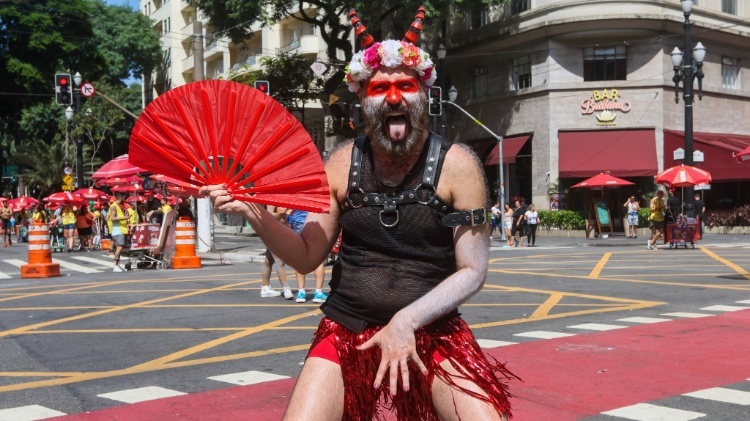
(396, 128)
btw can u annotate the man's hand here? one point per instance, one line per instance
(223, 200)
(398, 345)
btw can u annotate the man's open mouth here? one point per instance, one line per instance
(396, 125)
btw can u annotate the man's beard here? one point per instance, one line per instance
(375, 110)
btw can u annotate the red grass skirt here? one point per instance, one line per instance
(451, 338)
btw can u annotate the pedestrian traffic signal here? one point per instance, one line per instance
(263, 86)
(63, 91)
(436, 98)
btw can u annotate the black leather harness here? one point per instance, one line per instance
(425, 194)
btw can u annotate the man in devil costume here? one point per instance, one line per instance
(415, 246)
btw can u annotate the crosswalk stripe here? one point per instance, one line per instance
(247, 377)
(597, 326)
(722, 394)
(724, 308)
(28, 413)
(74, 266)
(743, 302)
(100, 262)
(687, 315)
(648, 412)
(490, 343)
(542, 334)
(141, 394)
(5, 276)
(643, 320)
(15, 262)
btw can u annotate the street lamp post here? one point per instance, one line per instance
(452, 95)
(441, 80)
(78, 79)
(686, 71)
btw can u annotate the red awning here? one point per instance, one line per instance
(622, 153)
(717, 153)
(511, 146)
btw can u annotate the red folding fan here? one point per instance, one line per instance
(216, 132)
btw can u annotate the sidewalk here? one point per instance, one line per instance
(249, 248)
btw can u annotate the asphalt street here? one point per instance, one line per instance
(150, 344)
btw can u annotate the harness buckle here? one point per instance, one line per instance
(388, 225)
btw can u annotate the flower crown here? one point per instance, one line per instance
(389, 53)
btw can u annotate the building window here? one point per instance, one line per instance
(477, 17)
(518, 6)
(521, 73)
(729, 6)
(608, 63)
(478, 87)
(729, 71)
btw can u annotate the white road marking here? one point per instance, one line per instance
(687, 315)
(724, 308)
(742, 302)
(648, 412)
(247, 377)
(722, 394)
(74, 266)
(28, 413)
(596, 326)
(5, 276)
(99, 262)
(542, 334)
(489, 343)
(15, 262)
(643, 320)
(141, 394)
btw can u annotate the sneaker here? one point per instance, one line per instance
(267, 292)
(301, 297)
(288, 293)
(320, 297)
(648, 247)
(118, 268)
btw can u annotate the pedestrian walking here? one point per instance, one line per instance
(297, 220)
(392, 335)
(271, 260)
(632, 208)
(508, 224)
(657, 219)
(497, 217)
(532, 219)
(6, 213)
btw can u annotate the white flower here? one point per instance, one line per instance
(424, 64)
(390, 54)
(358, 69)
(431, 80)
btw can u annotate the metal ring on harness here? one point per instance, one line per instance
(434, 192)
(349, 198)
(388, 225)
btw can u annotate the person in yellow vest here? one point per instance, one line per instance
(657, 219)
(165, 207)
(67, 219)
(118, 218)
(132, 215)
(40, 214)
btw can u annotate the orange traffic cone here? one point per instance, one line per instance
(40, 256)
(184, 257)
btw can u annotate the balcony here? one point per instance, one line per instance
(305, 45)
(187, 32)
(188, 63)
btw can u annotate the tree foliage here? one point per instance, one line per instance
(39, 38)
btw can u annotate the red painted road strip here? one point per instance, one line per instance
(564, 379)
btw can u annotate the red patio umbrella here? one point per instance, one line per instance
(128, 188)
(24, 202)
(64, 198)
(91, 193)
(603, 180)
(743, 155)
(176, 186)
(683, 176)
(118, 167)
(117, 181)
(137, 198)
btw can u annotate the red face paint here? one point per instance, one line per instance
(393, 90)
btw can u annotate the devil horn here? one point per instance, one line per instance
(365, 39)
(412, 35)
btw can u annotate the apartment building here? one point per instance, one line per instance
(580, 87)
(179, 24)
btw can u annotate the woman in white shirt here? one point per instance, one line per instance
(532, 219)
(508, 223)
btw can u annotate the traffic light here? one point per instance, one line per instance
(263, 86)
(436, 96)
(63, 90)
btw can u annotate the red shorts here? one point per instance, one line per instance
(326, 349)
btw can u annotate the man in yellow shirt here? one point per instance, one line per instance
(119, 218)
(657, 219)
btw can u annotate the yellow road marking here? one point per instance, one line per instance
(736, 268)
(543, 310)
(599, 266)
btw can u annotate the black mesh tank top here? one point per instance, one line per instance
(381, 268)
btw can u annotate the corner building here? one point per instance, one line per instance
(580, 87)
